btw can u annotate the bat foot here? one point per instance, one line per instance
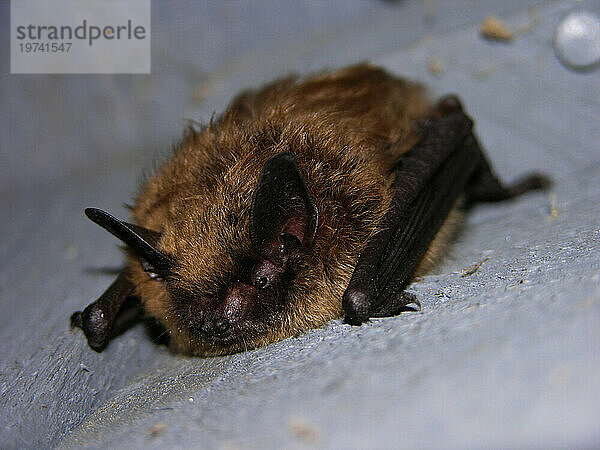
(532, 182)
(398, 304)
(358, 307)
(411, 299)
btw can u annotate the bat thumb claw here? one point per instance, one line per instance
(448, 105)
(94, 325)
(356, 306)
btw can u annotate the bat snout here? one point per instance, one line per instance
(234, 305)
(216, 327)
(227, 316)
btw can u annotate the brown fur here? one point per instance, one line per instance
(347, 128)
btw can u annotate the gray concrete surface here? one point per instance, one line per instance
(506, 357)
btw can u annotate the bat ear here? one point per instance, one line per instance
(140, 240)
(282, 208)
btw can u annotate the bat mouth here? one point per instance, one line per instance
(229, 342)
(221, 341)
(230, 337)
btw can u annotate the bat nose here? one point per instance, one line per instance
(233, 306)
(221, 326)
(220, 321)
(215, 327)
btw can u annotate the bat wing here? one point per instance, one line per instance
(445, 164)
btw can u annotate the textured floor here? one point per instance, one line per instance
(508, 356)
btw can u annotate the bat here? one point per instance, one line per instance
(305, 201)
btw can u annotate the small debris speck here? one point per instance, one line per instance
(495, 29)
(71, 253)
(303, 429)
(553, 207)
(561, 375)
(435, 66)
(473, 268)
(157, 428)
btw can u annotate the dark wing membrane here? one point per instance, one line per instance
(444, 165)
(428, 181)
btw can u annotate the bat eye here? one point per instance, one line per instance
(261, 282)
(149, 270)
(264, 274)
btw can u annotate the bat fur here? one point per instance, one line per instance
(347, 129)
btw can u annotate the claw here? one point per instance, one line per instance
(356, 305)
(448, 105)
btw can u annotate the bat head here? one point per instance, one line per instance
(223, 287)
(234, 278)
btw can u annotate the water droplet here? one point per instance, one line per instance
(577, 40)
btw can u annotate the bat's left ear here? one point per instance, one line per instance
(282, 208)
(141, 241)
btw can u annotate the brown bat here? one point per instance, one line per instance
(305, 201)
